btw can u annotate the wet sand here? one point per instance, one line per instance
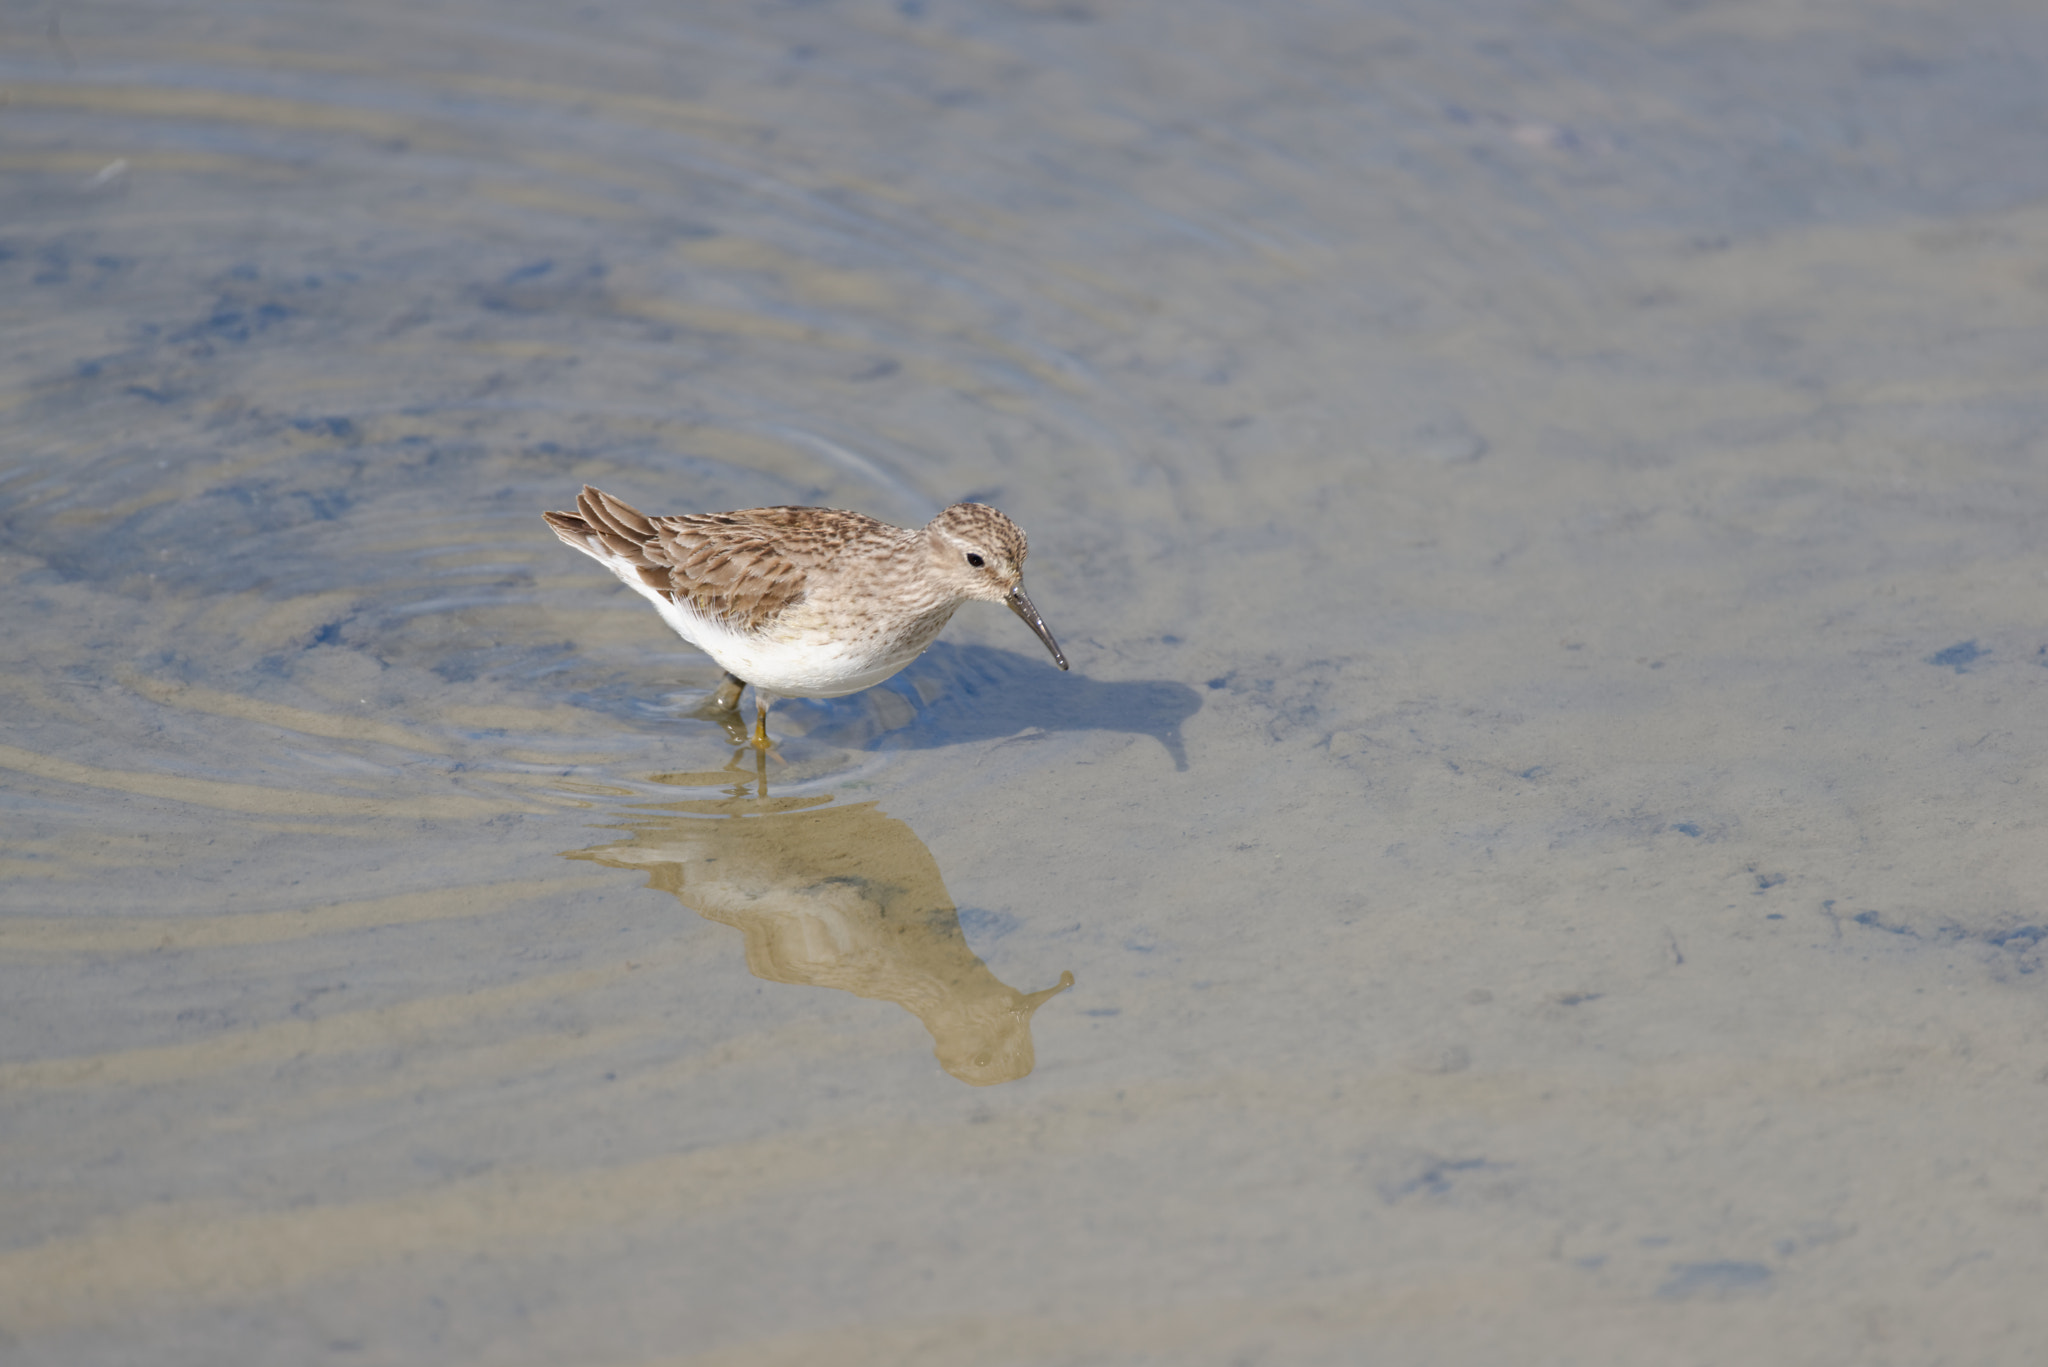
(1546, 510)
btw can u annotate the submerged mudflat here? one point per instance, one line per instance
(1546, 511)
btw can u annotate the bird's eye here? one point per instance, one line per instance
(975, 560)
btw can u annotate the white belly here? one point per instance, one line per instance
(806, 661)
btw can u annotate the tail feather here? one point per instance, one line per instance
(573, 530)
(619, 526)
(614, 514)
(614, 534)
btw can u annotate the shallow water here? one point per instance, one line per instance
(1546, 507)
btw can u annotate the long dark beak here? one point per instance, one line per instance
(1021, 605)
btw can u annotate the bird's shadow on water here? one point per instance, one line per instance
(960, 694)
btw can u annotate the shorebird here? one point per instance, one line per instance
(805, 602)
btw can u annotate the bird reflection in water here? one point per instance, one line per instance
(839, 897)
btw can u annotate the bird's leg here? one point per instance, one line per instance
(723, 707)
(727, 698)
(761, 741)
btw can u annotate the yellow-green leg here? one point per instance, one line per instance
(761, 741)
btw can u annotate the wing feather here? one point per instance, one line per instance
(741, 569)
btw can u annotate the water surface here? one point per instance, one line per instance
(1546, 506)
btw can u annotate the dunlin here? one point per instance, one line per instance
(805, 602)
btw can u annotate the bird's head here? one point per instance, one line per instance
(978, 553)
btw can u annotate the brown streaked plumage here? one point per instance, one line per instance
(806, 602)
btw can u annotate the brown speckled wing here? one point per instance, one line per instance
(740, 569)
(745, 568)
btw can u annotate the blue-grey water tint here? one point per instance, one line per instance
(1546, 506)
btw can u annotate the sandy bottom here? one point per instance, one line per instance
(1548, 509)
